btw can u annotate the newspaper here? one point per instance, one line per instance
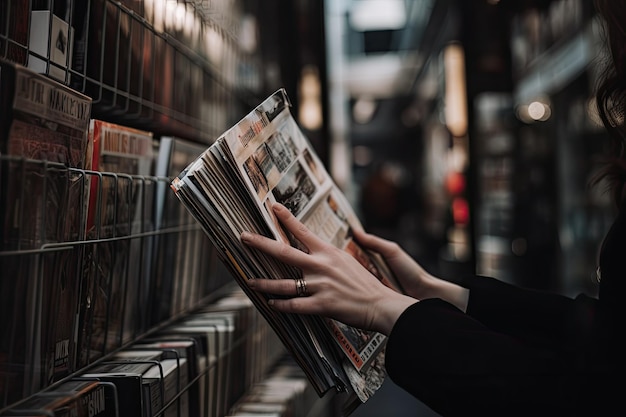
(263, 159)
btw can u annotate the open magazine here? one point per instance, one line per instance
(263, 159)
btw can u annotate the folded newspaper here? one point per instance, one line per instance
(263, 159)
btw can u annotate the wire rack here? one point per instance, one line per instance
(102, 276)
(123, 281)
(102, 288)
(169, 66)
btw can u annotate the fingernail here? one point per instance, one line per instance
(251, 282)
(270, 303)
(245, 236)
(277, 207)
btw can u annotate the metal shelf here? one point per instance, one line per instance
(171, 67)
(174, 68)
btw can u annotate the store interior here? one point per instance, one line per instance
(462, 129)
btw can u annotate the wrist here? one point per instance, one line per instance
(446, 290)
(427, 286)
(389, 310)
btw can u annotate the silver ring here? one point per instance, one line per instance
(301, 287)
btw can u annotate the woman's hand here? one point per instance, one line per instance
(337, 285)
(414, 279)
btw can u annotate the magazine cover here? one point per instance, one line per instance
(265, 158)
(176, 285)
(116, 269)
(43, 142)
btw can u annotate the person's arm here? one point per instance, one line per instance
(416, 281)
(538, 316)
(519, 310)
(458, 366)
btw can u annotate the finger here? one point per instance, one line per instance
(299, 305)
(276, 249)
(274, 286)
(374, 243)
(296, 227)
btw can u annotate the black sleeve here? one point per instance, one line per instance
(538, 317)
(458, 366)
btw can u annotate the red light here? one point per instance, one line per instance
(460, 211)
(455, 183)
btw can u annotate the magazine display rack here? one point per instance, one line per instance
(113, 271)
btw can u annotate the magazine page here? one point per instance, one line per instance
(278, 163)
(265, 158)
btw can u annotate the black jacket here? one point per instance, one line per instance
(518, 351)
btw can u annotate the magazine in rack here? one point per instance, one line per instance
(263, 159)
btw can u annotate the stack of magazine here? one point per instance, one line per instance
(263, 159)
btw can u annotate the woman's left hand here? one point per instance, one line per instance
(337, 285)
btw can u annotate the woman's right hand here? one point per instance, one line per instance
(414, 279)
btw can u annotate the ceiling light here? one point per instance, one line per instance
(368, 15)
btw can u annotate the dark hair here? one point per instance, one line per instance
(611, 96)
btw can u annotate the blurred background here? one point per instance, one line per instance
(463, 129)
(466, 130)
